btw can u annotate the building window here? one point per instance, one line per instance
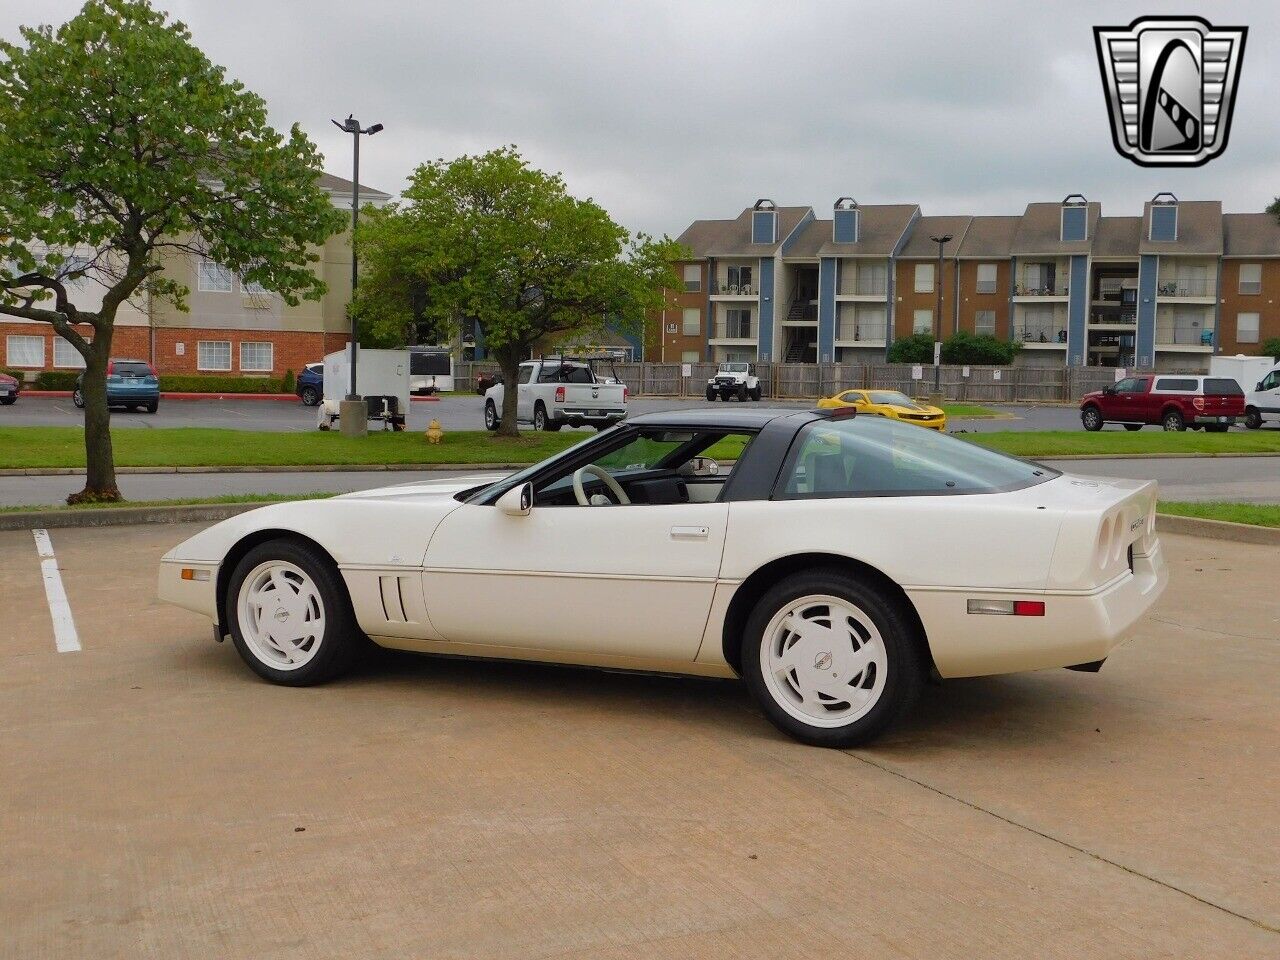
(739, 280)
(737, 324)
(253, 287)
(257, 357)
(690, 356)
(692, 278)
(1250, 278)
(692, 324)
(65, 355)
(986, 278)
(213, 277)
(922, 322)
(924, 278)
(1246, 328)
(213, 355)
(984, 323)
(21, 351)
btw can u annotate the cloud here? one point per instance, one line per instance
(666, 112)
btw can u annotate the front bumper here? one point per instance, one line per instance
(1076, 627)
(199, 596)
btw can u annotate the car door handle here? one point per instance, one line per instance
(690, 533)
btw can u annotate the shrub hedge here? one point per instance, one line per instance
(176, 383)
(959, 348)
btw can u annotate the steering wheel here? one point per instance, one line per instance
(604, 476)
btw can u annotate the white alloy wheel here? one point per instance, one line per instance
(823, 660)
(281, 615)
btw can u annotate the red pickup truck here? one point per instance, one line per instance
(1173, 401)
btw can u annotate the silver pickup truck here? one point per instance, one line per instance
(553, 392)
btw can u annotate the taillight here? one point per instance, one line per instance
(559, 394)
(1198, 402)
(625, 393)
(153, 371)
(111, 366)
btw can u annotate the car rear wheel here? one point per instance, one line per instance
(310, 396)
(1252, 419)
(539, 417)
(830, 660)
(153, 406)
(1173, 421)
(77, 398)
(1131, 427)
(8, 401)
(290, 616)
(1091, 417)
(490, 416)
(742, 393)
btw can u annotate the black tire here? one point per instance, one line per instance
(8, 401)
(1091, 417)
(1131, 427)
(491, 421)
(711, 394)
(742, 393)
(1252, 418)
(540, 418)
(310, 396)
(153, 406)
(77, 398)
(342, 640)
(1172, 421)
(905, 667)
(756, 394)
(553, 426)
(1217, 427)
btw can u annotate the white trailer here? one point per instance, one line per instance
(1246, 371)
(382, 379)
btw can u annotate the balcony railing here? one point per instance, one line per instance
(733, 330)
(872, 286)
(861, 331)
(1201, 287)
(1184, 333)
(1040, 332)
(734, 289)
(1058, 289)
(1127, 317)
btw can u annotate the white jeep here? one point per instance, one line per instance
(734, 378)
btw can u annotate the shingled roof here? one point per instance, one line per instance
(989, 237)
(1040, 231)
(1199, 229)
(1118, 237)
(732, 238)
(1250, 235)
(919, 246)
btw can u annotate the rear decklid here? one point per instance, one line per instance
(1107, 523)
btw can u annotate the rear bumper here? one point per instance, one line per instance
(133, 396)
(593, 417)
(1211, 419)
(1076, 628)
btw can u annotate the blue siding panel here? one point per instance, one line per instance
(790, 241)
(1148, 266)
(1075, 224)
(1077, 310)
(764, 341)
(1164, 224)
(827, 310)
(845, 226)
(763, 226)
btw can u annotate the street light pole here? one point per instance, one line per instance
(941, 241)
(352, 126)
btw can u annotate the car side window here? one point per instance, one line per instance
(1271, 380)
(1129, 385)
(851, 396)
(526, 374)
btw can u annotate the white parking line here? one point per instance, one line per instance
(64, 625)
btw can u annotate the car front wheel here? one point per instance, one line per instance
(77, 398)
(1173, 421)
(1091, 417)
(711, 394)
(290, 616)
(1252, 419)
(310, 396)
(830, 660)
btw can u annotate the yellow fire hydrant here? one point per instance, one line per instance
(434, 433)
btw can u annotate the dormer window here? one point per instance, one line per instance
(1074, 223)
(764, 222)
(1163, 227)
(845, 221)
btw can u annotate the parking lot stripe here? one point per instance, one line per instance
(64, 625)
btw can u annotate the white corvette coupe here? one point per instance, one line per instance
(838, 564)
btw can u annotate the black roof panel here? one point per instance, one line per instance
(752, 418)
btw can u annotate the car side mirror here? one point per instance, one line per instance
(518, 501)
(1259, 386)
(700, 467)
(1108, 390)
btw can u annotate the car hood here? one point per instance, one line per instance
(914, 408)
(5, 378)
(434, 489)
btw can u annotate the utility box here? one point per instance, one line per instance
(1246, 371)
(382, 378)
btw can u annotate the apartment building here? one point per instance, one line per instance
(231, 327)
(1165, 290)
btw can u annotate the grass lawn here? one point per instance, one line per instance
(1258, 514)
(200, 446)
(971, 411)
(1051, 443)
(181, 502)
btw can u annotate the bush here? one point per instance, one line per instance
(187, 383)
(56, 379)
(913, 349)
(962, 348)
(1271, 348)
(287, 385)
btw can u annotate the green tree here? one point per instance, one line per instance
(966, 348)
(1271, 348)
(490, 238)
(917, 348)
(122, 147)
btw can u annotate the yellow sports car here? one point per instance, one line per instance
(888, 403)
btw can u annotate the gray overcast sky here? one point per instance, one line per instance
(667, 112)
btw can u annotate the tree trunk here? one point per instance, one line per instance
(100, 478)
(509, 364)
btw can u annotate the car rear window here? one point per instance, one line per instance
(1187, 384)
(875, 457)
(1222, 386)
(130, 369)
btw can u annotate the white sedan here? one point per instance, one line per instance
(838, 564)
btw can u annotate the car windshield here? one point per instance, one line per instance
(872, 456)
(891, 398)
(733, 368)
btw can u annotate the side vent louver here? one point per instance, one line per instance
(393, 599)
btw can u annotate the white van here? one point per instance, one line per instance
(1262, 400)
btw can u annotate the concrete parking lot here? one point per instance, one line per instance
(160, 801)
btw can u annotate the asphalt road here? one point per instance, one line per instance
(1240, 479)
(457, 412)
(161, 801)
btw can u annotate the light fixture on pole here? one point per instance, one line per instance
(352, 126)
(941, 241)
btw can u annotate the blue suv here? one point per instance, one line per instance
(310, 384)
(130, 383)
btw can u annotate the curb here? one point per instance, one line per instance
(1151, 456)
(123, 516)
(1217, 529)
(274, 468)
